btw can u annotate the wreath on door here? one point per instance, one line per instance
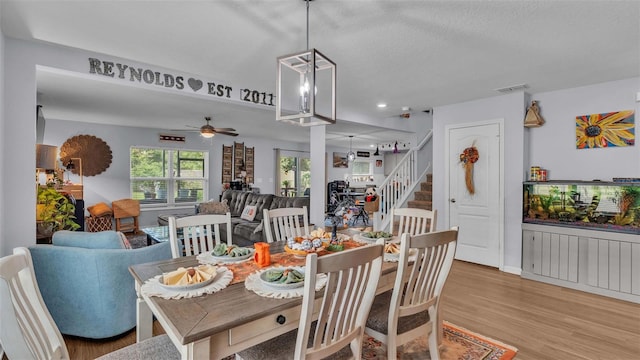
(469, 157)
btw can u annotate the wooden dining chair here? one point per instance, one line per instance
(27, 330)
(412, 221)
(284, 223)
(192, 235)
(410, 310)
(352, 279)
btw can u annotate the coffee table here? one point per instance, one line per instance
(156, 234)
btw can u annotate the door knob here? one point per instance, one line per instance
(452, 200)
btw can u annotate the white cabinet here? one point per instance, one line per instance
(600, 262)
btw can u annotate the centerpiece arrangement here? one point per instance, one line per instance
(317, 241)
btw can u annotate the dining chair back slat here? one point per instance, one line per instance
(423, 267)
(284, 223)
(200, 233)
(352, 280)
(413, 221)
(27, 330)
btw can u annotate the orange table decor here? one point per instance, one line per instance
(262, 257)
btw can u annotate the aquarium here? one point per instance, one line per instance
(597, 205)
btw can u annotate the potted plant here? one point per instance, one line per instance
(54, 211)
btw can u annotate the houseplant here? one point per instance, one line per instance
(54, 211)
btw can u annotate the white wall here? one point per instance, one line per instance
(17, 150)
(2, 136)
(553, 145)
(2, 171)
(511, 108)
(113, 184)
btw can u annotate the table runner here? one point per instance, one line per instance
(243, 269)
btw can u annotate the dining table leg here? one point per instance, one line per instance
(200, 349)
(144, 321)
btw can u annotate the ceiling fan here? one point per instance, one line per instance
(208, 131)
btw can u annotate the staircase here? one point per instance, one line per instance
(403, 181)
(423, 198)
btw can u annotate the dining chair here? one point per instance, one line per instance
(284, 223)
(192, 235)
(410, 310)
(412, 221)
(352, 279)
(27, 330)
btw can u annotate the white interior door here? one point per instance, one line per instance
(479, 215)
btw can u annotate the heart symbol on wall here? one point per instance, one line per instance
(195, 84)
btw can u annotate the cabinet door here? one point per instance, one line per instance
(550, 254)
(613, 265)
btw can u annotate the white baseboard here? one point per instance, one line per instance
(512, 270)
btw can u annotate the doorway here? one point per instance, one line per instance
(477, 210)
(294, 173)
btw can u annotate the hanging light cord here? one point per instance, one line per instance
(307, 24)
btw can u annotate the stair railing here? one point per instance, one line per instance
(400, 184)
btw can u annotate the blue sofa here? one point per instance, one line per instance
(85, 281)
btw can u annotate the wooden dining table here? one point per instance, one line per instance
(217, 325)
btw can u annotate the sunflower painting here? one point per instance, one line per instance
(605, 130)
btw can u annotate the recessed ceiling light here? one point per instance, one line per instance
(372, 146)
(382, 105)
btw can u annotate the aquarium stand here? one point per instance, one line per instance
(599, 262)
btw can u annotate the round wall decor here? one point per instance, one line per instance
(94, 152)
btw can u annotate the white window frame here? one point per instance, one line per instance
(369, 173)
(171, 179)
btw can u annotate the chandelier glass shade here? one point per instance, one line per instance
(297, 74)
(351, 155)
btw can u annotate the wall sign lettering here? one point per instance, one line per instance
(156, 78)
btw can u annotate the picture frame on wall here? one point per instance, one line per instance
(340, 160)
(227, 164)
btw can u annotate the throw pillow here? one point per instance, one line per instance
(249, 212)
(125, 242)
(100, 209)
(214, 207)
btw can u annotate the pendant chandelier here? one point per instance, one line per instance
(297, 75)
(351, 155)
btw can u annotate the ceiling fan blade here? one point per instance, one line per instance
(225, 129)
(226, 133)
(194, 130)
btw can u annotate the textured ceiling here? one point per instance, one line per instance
(419, 54)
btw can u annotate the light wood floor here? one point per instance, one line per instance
(543, 321)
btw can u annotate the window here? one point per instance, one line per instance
(361, 168)
(294, 175)
(168, 176)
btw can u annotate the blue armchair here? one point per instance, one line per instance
(85, 281)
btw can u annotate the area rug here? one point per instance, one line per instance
(457, 344)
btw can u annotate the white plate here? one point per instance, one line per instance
(209, 258)
(187, 287)
(281, 286)
(371, 240)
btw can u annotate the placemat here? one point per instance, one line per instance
(152, 286)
